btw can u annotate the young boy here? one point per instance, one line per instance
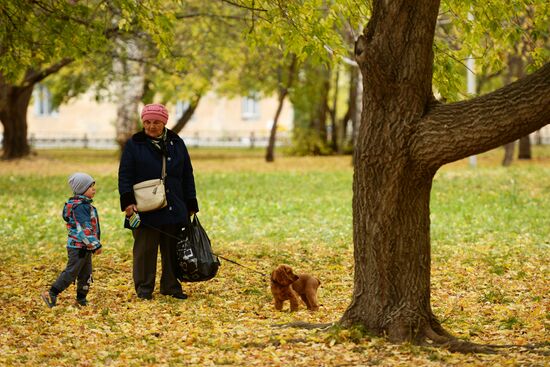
(83, 240)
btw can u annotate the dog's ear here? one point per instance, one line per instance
(276, 275)
(289, 274)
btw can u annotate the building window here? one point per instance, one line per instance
(250, 107)
(42, 101)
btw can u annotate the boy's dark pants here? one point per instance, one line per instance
(79, 268)
(146, 244)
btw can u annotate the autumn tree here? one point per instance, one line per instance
(405, 136)
(40, 38)
(407, 133)
(30, 36)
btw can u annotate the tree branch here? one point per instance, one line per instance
(208, 15)
(243, 6)
(32, 77)
(454, 131)
(187, 114)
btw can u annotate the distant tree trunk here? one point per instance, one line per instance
(282, 93)
(524, 151)
(335, 127)
(515, 66)
(187, 114)
(130, 92)
(127, 117)
(358, 113)
(14, 102)
(508, 154)
(538, 137)
(319, 118)
(323, 109)
(351, 115)
(405, 136)
(13, 114)
(270, 151)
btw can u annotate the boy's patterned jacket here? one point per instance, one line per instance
(82, 223)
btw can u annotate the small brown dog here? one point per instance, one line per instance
(285, 285)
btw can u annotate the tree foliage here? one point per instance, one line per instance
(40, 38)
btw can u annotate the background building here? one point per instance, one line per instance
(217, 121)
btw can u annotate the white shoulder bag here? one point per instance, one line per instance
(150, 195)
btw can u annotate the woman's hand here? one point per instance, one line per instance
(98, 251)
(130, 209)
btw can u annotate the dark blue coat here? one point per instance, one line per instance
(141, 161)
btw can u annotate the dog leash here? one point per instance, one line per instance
(221, 257)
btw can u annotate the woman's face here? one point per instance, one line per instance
(153, 128)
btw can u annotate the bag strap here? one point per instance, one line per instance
(213, 253)
(163, 174)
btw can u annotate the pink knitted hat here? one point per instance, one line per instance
(154, 111)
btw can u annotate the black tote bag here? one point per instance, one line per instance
(195, 259)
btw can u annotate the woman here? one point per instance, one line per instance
(142, 160)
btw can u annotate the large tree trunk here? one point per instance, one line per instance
(391, 192)
(404, 137)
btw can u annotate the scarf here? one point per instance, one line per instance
(160, 143)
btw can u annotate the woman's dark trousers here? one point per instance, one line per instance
(146, 243)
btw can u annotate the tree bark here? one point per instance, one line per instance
(405, 136)
(471, 127)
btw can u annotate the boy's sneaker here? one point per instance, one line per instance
(82, 301)
(49, 298)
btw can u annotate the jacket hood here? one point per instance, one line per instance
(73, 203)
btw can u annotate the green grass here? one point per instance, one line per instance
(492, 204)
(308, 207)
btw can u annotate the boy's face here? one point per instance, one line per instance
(90, 192)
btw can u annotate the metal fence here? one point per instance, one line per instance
(197, 140)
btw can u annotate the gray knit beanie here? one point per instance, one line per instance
(80, 182)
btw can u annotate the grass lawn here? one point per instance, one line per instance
(490, 272)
